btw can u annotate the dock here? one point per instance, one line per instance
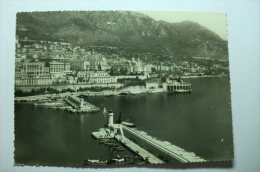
(80, 105)
(178, 86)
(149, 148)
(164, 147)
(63, 101)
(139, 150)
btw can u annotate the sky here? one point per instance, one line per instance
(215, 22)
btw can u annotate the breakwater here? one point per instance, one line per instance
(60, 130)
(74, 87)
(163, 149)
(112, 92)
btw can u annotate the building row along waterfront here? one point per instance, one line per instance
(42, 73)
(95, 77)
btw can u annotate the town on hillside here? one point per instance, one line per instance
(47, 65)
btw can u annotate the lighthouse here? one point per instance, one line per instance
(81, 103)
(110, 118)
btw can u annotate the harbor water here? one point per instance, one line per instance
(199, 122)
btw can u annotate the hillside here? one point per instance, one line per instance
(128, 31)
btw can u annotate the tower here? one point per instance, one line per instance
(81, 103)
(110, 118)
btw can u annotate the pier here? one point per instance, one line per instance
(164, 148)
(63, 101)
(178, 86)
(139, 150)
(149, 148)
(80, 105)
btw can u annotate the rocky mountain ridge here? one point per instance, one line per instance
(131, 32)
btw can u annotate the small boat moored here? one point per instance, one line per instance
(94, 162)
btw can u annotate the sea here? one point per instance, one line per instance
(198, 122)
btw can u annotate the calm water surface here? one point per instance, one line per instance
(199, 122)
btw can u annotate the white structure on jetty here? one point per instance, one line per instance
(112, 129)
(110, 119)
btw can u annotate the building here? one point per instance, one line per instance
(80, 105)
(32, 74)
(152, 83)
(34, 67)
(97, 65)
(82, 74)
(32, 79)
(178, 86)
(147, 68)
(82, 77)
(98, 77)
(59, 67)
(71, 80)
(79, 65)
(137, 67)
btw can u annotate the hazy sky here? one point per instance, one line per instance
(215, 22)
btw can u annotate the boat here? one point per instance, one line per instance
(128, 124)
(105, 140)
(109, 143)
(108, 140)
(94, 162)
(116, 160)
(119, 148)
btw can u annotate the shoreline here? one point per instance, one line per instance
(105, 93)
(125, 91)
(204, 76)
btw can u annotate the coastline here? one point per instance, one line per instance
(132, 90)
(89, 94)
(204, 76)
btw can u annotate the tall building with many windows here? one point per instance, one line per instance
(79, 65)
(96, 77)
(59, 67)
(32, 74)
(100, 78)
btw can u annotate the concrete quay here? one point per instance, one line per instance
(80, 105)
(139, 150)
(146, 146)
(164, 148)
(70, 102)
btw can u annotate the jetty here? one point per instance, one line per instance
(164, 148)
(62, 101)
(147, 156)
(80, 105)
(178, 86)
(149, 148)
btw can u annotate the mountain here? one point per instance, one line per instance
(128, 31)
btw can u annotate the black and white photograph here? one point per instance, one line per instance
(121, 88)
